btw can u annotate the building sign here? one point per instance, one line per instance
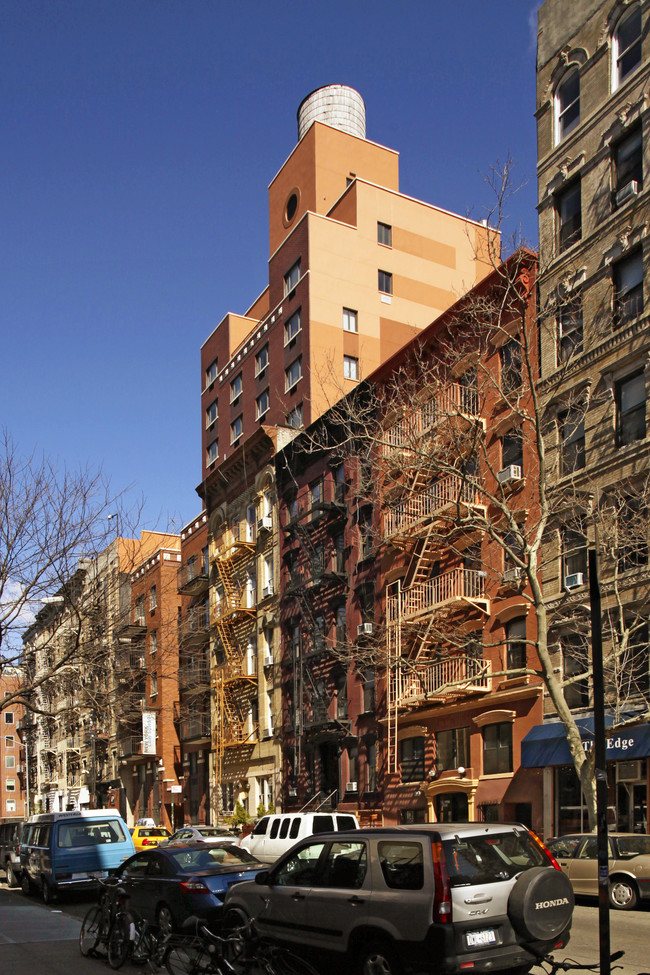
(547, 744)
(148, 732)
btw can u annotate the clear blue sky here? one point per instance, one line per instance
(138, 141)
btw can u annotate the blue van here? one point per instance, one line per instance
(69, 850)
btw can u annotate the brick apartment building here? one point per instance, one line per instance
(593, 129)
(13, 773)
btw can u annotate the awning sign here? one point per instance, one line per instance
(546, 744)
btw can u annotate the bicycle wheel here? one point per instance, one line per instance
(90, 933)
(281, 961)
(119, 941)
(186, 960)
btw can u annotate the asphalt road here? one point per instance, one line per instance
(40, 940)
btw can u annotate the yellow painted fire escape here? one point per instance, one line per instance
(429, 507)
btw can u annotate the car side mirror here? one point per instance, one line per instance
(262, 877)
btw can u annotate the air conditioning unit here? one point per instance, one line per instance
(265, 523)
(292, 793)
(514, 574)
(625, 192)
(268, 661)
(509, 474)
(19, 769)
(574, 580)
(19, 725)
(351, 787)
(365, 628)
(267, 591)
(628, 771)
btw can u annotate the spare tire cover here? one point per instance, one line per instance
(541, 903)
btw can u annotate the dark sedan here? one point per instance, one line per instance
(168, 885)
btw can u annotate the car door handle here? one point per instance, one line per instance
(297, 897)
(478, 899)
(355, 900)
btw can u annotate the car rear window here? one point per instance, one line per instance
(189, 861)
(490, 858)
(402, 865)
(97, 832)
(149, 831)
(632, 846)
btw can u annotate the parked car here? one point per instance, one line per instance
(68, 850)
(148, 836)
(434, 898)
(629, 865)
(278, 832)
(10, 850)
(169, 884)
(199, 834)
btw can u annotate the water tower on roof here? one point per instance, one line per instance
(339, 106)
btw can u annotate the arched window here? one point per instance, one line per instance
(626, 46)
(567, 104)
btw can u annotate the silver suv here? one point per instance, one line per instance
(433, 898)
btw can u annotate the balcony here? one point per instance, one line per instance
(454, 406)
(128, 748)
(443, 680)
(194, 676)
(447, 496)
(196, 727)
(193, 627)
(193, 576)
(135, 630)
(450, 590)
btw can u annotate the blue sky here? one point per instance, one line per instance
(139, 139)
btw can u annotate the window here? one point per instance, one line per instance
(10, 785)
(569, 216)
(574, 554)
(628, 289)
(139, 611)
(211, 373)
(350, 367)
(294, 417)
(369, 690)
(628, 167)
(316, 493)
(9, 717)
(153, 642)
(235, 387)
(153, 599)
(626, 47)
(411, 758)
(567, 104)
(211, 413)
(574, 663)
(452, 749)
(512, 449)
(212, 452)
(510, 358)
(263, 403)
(292, 277)
(262, 359)
(384, 234)
(10, 761)
(635, 663)
(572, 433)
(350, 320)
(569, 329)
(292, 327)
(632, 541)
(236, 428)
(10, 806)
(340, 627)
(385, 279)
(516, 643)
(154, 685)
(9, 741)
(497, 748)
(630, 409)
(293, 374)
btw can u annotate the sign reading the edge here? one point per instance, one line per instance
(148, 732)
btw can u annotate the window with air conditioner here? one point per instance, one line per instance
(626, 45)
(628, 288)
(630, 397)
(574, 555)
(627, 158)
(512, 458)
(569, 329)
(568, 205)
(567, 104)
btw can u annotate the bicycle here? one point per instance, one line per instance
(569, 965)
(132, 935)
(96, 925)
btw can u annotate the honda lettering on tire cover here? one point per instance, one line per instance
(541, 904)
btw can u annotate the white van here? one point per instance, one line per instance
(277, 833)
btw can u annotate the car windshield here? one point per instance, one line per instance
(191, 860)
(490, 858)
(632, 846)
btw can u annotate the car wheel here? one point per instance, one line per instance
(49, 896)
(622, 894)
(541, 904)
(26, 885)
(236, 924)
(165, 920)
(378, 958)
(12, 879)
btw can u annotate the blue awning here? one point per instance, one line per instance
(546, 744)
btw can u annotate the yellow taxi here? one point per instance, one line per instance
(145, 837)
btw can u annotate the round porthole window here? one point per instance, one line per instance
(291, 206)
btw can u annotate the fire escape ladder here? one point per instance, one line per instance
(422, 561)
(232, 591)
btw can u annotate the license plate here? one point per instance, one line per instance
(476, 939)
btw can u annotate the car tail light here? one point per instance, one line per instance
(535, 838)
(146, 842)
(194, 887)
(442, 887)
